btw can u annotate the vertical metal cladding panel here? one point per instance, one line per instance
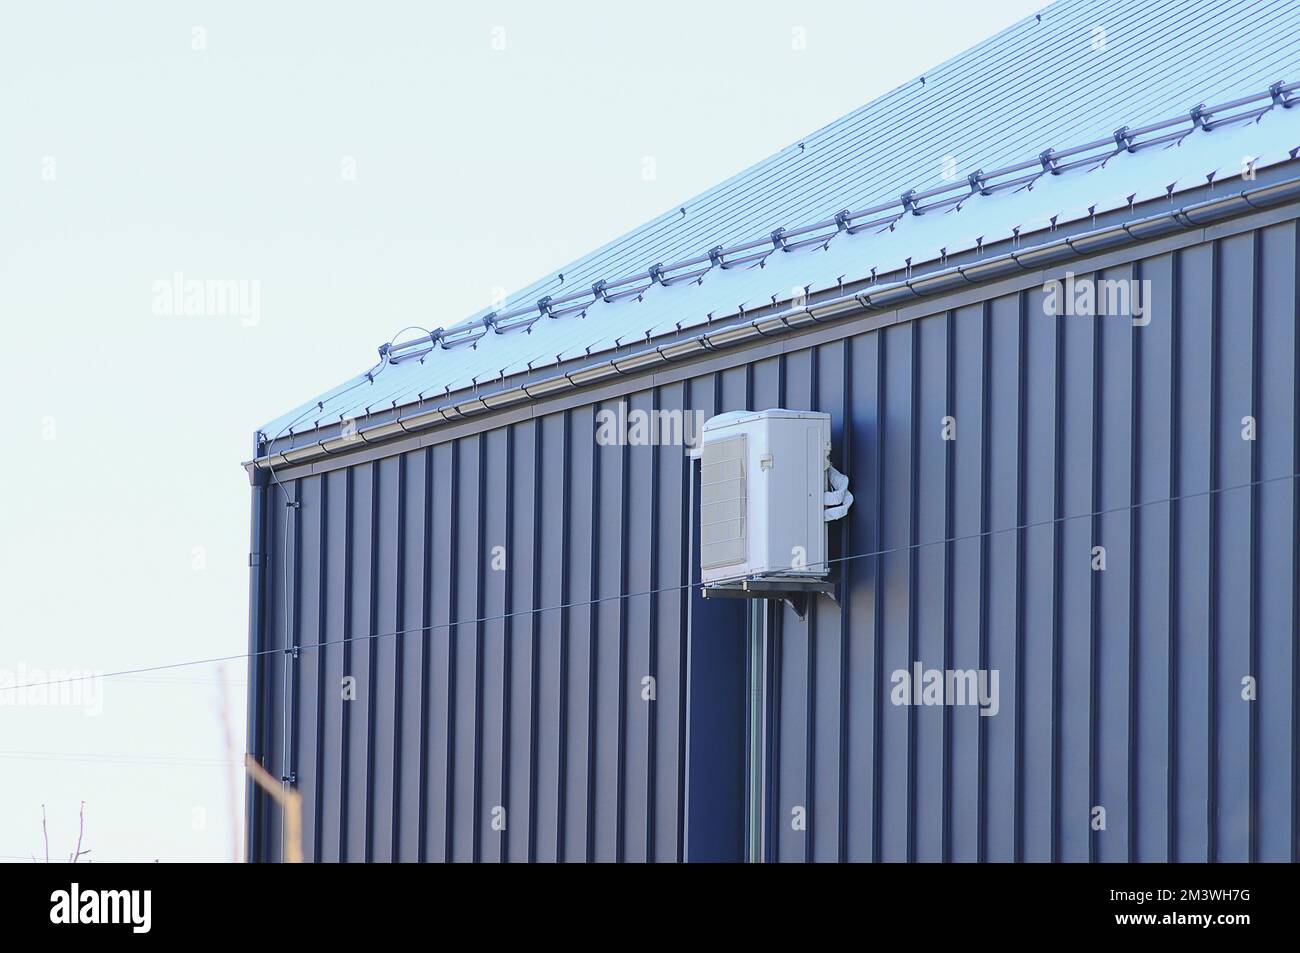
(307, 742)
(494, 669)
(1151, 631)
(958, 339)
(930, 572)
(667, 563)
(1038, 688)
(827, 640)
(1192, 561)
(523, 573)
(280, 597)
(328, 818)
(410, 650)
(1277, 399)
(518, 683)
(596, 644)
(636, 575)
(552, 570)
(362, 647)
(1074, 579)
(439, 722)
(465, 644)
(863, 711)
(1233, 640)
(899, 426)
(384, 699)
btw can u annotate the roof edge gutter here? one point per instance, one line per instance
(883, 297)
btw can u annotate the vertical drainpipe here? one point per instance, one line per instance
(257, 559)
(756, 656)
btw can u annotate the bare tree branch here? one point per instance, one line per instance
(80, 832)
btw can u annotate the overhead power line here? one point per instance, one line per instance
(1180, 498)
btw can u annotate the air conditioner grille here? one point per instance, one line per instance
(722, 503)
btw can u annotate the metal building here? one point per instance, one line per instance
(459, 593)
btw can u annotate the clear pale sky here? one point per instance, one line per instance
(129, 155)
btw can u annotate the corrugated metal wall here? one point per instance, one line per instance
(465, 701)
(1119, 688)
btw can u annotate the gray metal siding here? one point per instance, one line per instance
(463, 703)
(1094, 714)
(1119, 688)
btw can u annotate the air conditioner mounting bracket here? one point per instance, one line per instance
(794, 591)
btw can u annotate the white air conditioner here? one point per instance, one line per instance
(763, 496)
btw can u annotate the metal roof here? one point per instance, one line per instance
(1089, 106)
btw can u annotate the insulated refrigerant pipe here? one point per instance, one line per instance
(837, 499)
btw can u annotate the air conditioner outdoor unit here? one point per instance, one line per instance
(764, 500)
